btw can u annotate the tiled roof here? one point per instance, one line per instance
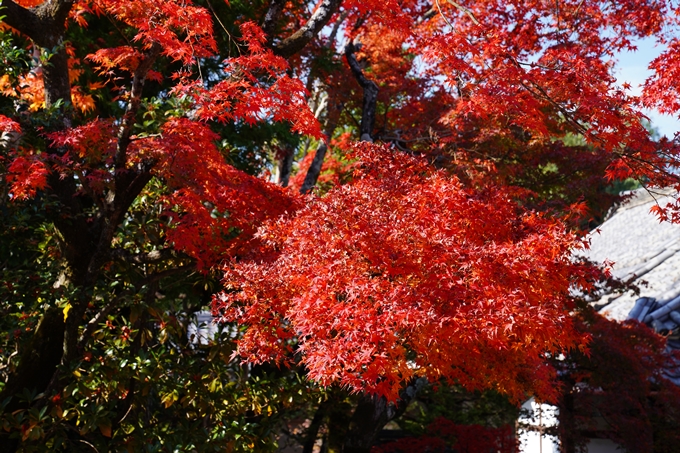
(646, 252)
(643, 250)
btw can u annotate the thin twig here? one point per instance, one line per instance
(442, 14)
(465, 10)
(231, 39)
(88, 444)
(198, 62)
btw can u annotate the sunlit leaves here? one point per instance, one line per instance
(183, 31)
(256, 88)
(27, 174)
(213, 209)
(404, 272)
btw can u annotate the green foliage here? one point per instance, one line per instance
(142, 382)
(14, 59)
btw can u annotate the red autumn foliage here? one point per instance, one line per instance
(243, 97)
(389, 277)
(183, 31)
(406, 270)
(7, 125)
(214, 208)
(26, 174)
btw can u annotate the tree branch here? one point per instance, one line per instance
(315, 425)
(370, 93)
(334, 110)
(465, 10)
(373, 412)
(24, 20)
(133, 106)
(298, 40)
(285, 165)
(44, 24)
(129, 185)
(270, 18)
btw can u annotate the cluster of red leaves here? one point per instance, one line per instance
(622, 380)
(214, 208)
(516, 62)
(93, 142)
(541, 68)
(29, 3)
(243, 95)
(126, 58)
(88, 151)
(8, 125)
(183, 31)
(444, 434)
(662, 89)
(27, 174)
(404, 272)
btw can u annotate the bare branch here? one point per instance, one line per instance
(370, 93)
(270, 18)
(465, 10)
(336, 27)
(429, 14)
(298, 40)
(286, 166)
(334, 110)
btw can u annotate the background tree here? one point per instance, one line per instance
(638, 412)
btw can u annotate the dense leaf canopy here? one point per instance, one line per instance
(369, 192)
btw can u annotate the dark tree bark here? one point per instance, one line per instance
(314, 426)
(372, 414)
(298, 40)
(312, 176)
(285, 167)
(567, 425)
(270, 19)
(370, 93)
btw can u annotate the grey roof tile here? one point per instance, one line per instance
(644, 250)
(647, 252)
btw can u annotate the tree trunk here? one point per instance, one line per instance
(372, 414)
(371, 90)
(332, 117)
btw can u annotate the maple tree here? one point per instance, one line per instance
(442, 252)
(638, 412)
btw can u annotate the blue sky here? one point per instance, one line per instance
(632, 68)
